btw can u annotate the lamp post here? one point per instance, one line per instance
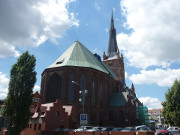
(82, 93)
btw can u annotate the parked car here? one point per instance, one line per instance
(63, 129)
(142, 128)
(161, 131)
(117, 129)
(173, 130)
(85, 128)
(95, 129)
(127, 129)
(107, 129)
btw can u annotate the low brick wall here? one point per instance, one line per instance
(95, 133)
(55, 133)
(85, 133)
(105, 133)
(146, 133)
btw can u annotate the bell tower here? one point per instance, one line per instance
(113, 59)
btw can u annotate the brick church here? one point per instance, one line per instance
(109, 102)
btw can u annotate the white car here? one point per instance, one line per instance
(85, 128)
(173, 130)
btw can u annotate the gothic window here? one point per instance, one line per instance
(106, 89)
(93, 91)
(54, 88)
(100, 89)
(83, 82)
(71, 89)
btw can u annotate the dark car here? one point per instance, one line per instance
(117, 129)
(107, 129)
(143, 129)
(127, 129)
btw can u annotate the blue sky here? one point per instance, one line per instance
(147, 35)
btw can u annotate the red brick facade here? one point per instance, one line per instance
(49, 117)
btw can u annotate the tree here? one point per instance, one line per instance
(171, 106)
(17, 104)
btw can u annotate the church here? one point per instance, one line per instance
(108, 101)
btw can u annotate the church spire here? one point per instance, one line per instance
(132, 87)
(112, 45)
(112, 22)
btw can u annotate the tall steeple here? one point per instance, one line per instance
(112, 45)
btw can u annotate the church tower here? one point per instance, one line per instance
(113, 58)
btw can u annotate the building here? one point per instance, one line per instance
(155, 116)
(48, 117)
(109, 102)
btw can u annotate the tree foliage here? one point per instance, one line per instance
(19, 98)
(171, 106)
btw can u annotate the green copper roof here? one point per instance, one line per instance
(79, 55)
(117, 100)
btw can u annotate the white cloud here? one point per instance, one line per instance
(36, 88)
(154, 39)
(6, 50)
(97, 6)
(126, 75)
(4, 81)
(3, 95)
(158, 76)
(150, 102)
(32, 22)
(96, 51)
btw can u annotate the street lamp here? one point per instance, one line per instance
(82, 93)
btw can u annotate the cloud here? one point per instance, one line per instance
(126, 75)
(4, 81)
(30, 23)
(96, 51)
(150, 102)
(7, 50)
(3, 95)
(154, 37)
(158, 76)
(36, 88)
(97, 6)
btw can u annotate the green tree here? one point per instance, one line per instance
(171, 106)
(19, 98)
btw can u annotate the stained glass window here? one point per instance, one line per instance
(71, 89)
(54, 88)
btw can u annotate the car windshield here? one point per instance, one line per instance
(143, 128)
(129, 128)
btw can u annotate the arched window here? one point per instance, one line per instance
(54, 88)
(71, 89)
(106, 89)
(83, 82)
(100, 89)
(93, 91)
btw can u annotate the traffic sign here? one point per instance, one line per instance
(83, 119)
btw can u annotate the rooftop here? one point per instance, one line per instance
(78, 55)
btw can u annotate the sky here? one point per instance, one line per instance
(147, 35)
